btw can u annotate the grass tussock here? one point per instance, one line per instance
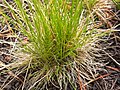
(59, 42)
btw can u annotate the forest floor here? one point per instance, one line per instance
(110, 75)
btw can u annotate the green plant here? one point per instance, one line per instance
(117, 3)
(57, 52)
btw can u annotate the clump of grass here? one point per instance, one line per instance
(57, 52)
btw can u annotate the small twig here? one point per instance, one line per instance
(114, 84)
(39, 80)
(102, 76)
(13, 75)
(106, 30)
(111, 58)
(81, 84)
(26, 75)
(115, 69)
(82, 87)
